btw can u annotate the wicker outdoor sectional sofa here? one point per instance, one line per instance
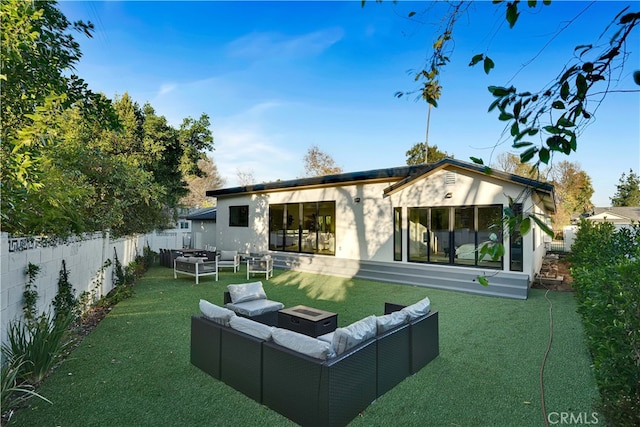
(321, 387)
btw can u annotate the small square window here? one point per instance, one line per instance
(239, 216)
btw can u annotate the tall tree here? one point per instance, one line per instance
(510, 163)
(415, 155)
(39, 55)
(245, 177)
(37, 87)
(164, 154)
(71, 160)
(573, 188)
(573, 191)
(195, 137)
(627, 190)
(318, 163)
(198, 186)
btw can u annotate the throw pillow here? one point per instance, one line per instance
(309, 346)
(354, 334)
(246, 292)
(390, 321)
(418, 309)
(251, 327)
(216, 313)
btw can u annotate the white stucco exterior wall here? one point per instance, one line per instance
(364, 228)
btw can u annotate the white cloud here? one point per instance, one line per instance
(269, 44)
(166, 88)
(243, 142)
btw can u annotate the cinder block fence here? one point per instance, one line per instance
(84, 257)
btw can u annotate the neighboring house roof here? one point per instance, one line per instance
(204, 214)
(405, 174)
(623, 214)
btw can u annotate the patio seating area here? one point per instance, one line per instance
(135, 368)
(323, 381)
(200, 263)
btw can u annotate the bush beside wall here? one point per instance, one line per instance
(606, 273)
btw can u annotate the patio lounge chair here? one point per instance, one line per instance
(249, 300)
(229, 259)
(260, 265)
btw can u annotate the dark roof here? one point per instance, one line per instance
(405, 175)
(538, 185)
(631, 212)
(204, 214)
(341, 178)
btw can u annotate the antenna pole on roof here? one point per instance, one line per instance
(426, 141)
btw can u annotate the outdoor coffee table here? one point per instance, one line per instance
(307, 320)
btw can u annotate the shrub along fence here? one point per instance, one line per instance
(46, 286)
(89, 260)
(606, 273)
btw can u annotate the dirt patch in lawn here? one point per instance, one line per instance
(555, 273)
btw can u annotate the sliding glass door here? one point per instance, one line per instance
(451, 235)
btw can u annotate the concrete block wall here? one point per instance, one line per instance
(164, 240)
(84, 259)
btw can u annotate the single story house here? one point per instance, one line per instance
(419, 225)
(619, 216)
(203, 227)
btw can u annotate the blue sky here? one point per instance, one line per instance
(277, 77)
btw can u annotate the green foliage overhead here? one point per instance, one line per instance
(555, 113)
(39, 55)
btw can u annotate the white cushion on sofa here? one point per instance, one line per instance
(309, 346)
(328, 337)
(182, 258)
(354, 334)
(390, 321)
(216, 313)
(246, 292)
(418, 309)
(251, 327)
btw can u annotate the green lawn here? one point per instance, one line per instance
(134, 370)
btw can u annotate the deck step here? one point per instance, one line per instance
(462, 279)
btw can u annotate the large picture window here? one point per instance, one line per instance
(454, 235)
(303, 227)
(239, 216)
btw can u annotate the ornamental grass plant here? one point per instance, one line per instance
(40, 344)
(134, 368)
